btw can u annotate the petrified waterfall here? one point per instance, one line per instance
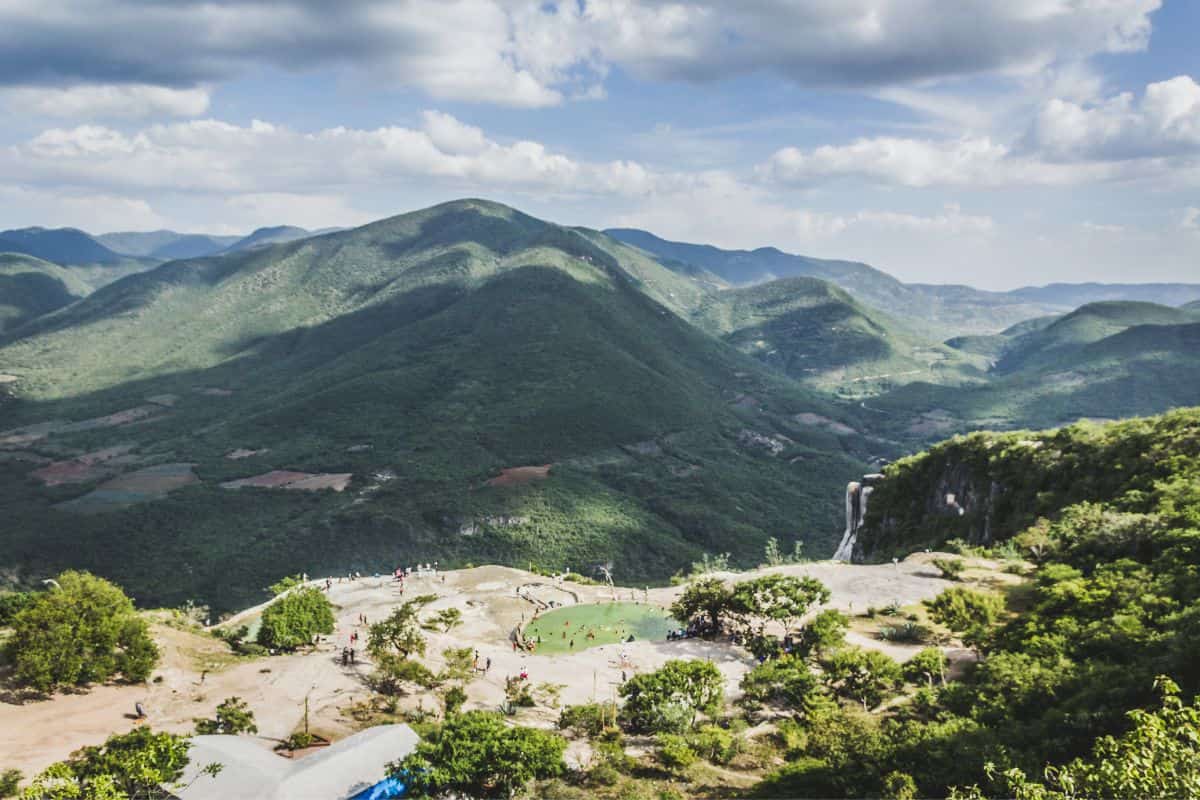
(857, 495)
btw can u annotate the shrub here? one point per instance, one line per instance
(951, 568)
(674, 753)
(669, 699)
(588, 719)
(295, 619)
(84, 630)
(10, 779)
(453, 700)
(714, 743)
(233, 717)
(906, 632)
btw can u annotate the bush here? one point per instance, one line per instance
(84, 630)
(588, 719)
(668, 700)
(10, 779)
(477, 755)
(905, 632)
(233, 717)
(295, 619)
(674, 753)
(453, 700)
(714, 743)
(951, 568)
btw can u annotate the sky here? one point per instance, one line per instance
(996, 143)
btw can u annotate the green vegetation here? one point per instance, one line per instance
(30, 287)
(130, 766)
(233, 717)
(505, 340)
(82, 631)
(10, 780)
(295, 619)
(670, 698)
(478, 755)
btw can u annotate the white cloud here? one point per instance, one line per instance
(261, 158)
(1165, 122)
(534, 52)
(88, 211)
(112, 100)
(907, 162)
(1190, 221)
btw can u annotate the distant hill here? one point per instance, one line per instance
(265, 236)
(30, 287)
(1104, 360)
(1068, 296)
(422, 354)
(818, 334)
(66, 246)
(938, 311)
(1062, 338)
(166, 245)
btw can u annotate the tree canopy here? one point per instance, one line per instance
(81, 631)
(477, 754)
(670, 698)
(296, 618)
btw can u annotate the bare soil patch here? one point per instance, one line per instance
(513, 476)
(287, 479)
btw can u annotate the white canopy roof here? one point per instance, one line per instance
(253, 772)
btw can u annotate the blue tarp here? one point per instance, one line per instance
(385, 789)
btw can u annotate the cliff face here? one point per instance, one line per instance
(987, 487)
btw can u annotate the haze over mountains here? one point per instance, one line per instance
(685, 399)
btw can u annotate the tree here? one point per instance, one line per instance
(771, 555)
(130, 766)
(825, 633)
(296, 618)
(927, 665)
(868, 676)
(1156, 758)
(899, 786)
(400, 633)
(477, 755)
(705, 597)
(83, 631)
(233, 717)
(966, 612)
(669, 699)
(286, 584)
(779, 598)
(446, 619)
(786, 681)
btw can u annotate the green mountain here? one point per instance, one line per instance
(816, 333)
(1103, 361)
(165, 245)
(1068, 296)
(265, 236)
(66, 246)
(1063, 338)
(936, 311)
(30, 287)
(423, 356)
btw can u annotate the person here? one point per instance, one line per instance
(572, 644)
(203, 675)
(140, 710)
(487, 665)
(352, 655)
(345, 656)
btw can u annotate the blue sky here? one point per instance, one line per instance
(991, 142)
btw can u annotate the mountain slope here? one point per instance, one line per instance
(1059, 341)
(936, 311)
(1068, 296)
(65, 246)
(30, 287)
(423, 355)
(265, 236)
(817, 333)
(1106, 360)
(165, 245)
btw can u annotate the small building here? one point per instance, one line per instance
(354, 768)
